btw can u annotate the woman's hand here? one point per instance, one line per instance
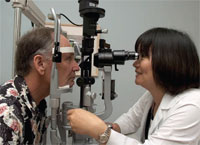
(116, 127)
(84, 122)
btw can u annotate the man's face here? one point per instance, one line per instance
(67, 67)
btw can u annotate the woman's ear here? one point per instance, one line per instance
(39, 64)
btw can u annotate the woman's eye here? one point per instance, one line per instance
(140, 57)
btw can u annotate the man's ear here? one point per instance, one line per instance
(39, 64)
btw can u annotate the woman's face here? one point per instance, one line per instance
(144, 73)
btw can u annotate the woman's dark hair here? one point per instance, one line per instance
(175, 61)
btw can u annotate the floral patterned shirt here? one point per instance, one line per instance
(21, 121)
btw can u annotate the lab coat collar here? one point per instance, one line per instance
(167, 102)
(165, 105)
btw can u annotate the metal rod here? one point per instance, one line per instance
(17, 33)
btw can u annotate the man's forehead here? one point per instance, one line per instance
(65, 49)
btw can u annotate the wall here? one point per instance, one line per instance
(199, 29)
(0, 36)
(6, 37)
(6, 40)
(125, 20)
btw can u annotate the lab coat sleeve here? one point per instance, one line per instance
(130, 122)
(120, 139)
(180, 127)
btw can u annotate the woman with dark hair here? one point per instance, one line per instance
(169, 112)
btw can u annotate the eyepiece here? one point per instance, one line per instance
(132, 55)
(107, 58)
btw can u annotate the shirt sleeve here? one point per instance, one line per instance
(10, 126)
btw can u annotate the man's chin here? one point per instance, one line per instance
(71, 84)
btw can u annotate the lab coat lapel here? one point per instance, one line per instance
(165, 105)
(146, 110)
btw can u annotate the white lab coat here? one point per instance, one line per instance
(177, 121)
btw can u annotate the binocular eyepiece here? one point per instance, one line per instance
(107, 57)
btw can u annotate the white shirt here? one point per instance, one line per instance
(177, 121)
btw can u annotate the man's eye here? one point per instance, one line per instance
(69, 58)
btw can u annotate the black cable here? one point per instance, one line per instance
(70, 20)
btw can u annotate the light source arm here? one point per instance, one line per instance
(31, 11)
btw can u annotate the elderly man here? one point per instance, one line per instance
(22, 104)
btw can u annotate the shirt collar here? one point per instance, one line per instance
(24, 93)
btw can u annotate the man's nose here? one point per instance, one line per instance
(76, 66)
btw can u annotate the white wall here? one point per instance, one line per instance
(199, 29)
(6, 40)
(125, 20)
(0, 39)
